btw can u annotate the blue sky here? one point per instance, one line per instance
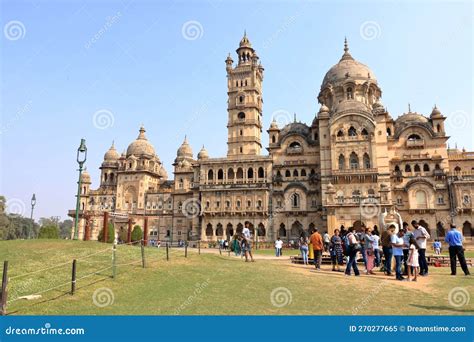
(64, 61)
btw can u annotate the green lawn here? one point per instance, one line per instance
(208, 284)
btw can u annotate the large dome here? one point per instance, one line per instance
(141, 146)
(185, 149)
(348, 68)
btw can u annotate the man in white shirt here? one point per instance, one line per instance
(248, 243)
(421, 235)
(326, 240)
(278, 246)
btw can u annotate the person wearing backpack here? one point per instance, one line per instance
(352, 249)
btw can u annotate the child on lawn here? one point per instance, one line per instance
(413, 260)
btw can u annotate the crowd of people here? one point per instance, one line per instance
(406, 246)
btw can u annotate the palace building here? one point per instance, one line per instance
(351, 162)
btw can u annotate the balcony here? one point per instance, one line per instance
(415, 143)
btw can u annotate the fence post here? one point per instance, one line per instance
(106, 227)
(167, 252)
(73, 277)
(199, 247)
(220, 250)
(186, 249)
(3, 298)
(143, 254)
(114, 261)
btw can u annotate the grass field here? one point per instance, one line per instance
(210, 284)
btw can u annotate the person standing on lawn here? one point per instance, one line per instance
(248, 244)
(386, 240)
(456, 250)
(397, 247)
(335, 248)
(369, 251)
(303, 242)
(326, 240)
(421, 235)
(353, 248)
(318, 246)
(375, 245)
(406, 247)
(413, 263)
(278, 246)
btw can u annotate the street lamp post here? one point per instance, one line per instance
(81, 159)
(33, 203)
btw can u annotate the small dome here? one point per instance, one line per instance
(347, 68)
(324, 109)
(111, 154)
(203, 154)
(245, 42)
(85, 177)
(411, 117)
(295, 128)
(141, 146)
(436, 112)
(274, 125)
(185, 149)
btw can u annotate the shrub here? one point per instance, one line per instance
(48, 232)
(137, 233)
(110, 233)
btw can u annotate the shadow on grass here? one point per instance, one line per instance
(442, 308)
(61, 295)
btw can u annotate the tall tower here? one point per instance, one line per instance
(244, 104)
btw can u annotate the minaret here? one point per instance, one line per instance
(244, 104)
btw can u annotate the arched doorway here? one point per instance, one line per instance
(425, 224)
(282, 230)
(261, 230)
(440, 229)
(229, 231)
(240, 227)
(209, 231)
(311, 228)
(467, 229)
(296, 230)
(219, 230)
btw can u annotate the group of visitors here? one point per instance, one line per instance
(407, 247)
(241, 244)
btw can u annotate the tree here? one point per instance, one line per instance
(65, 228)
(137, 233)
(110, 233)
(48, 232)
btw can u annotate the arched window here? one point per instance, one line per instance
(220, 174)
(240, 173)
(282, 230)
(389, 132)
(350, 95)
(241, 99)
(342, 162)
(303, 173)
(241, 115)
(417, 168)
(438, 128)
(315, 136)
(426, 167)
(457, 169)
(227, 204)
(371, 193)
(421, 200)
(352, 132)
(354, 161)
(105, 177)
(356, 196)
(295, 173)
(364, 132)
(407, 168)
(397, 168)
(295, 144)
(366, 161)
(261, 173)
(241, 149)
(111, 178)
(414, 137)
(278, 173)
(230, 173)
(209, 231)
(83, 189)
(241, 132)
(295, 200)
(261, 230)
(273, 139)
(210, 175)
(340, 133)
(437, 167)
(287, 173)
(250, 173)
(180, 206)
(219, 230)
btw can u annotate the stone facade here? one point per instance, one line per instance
(352, 162)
